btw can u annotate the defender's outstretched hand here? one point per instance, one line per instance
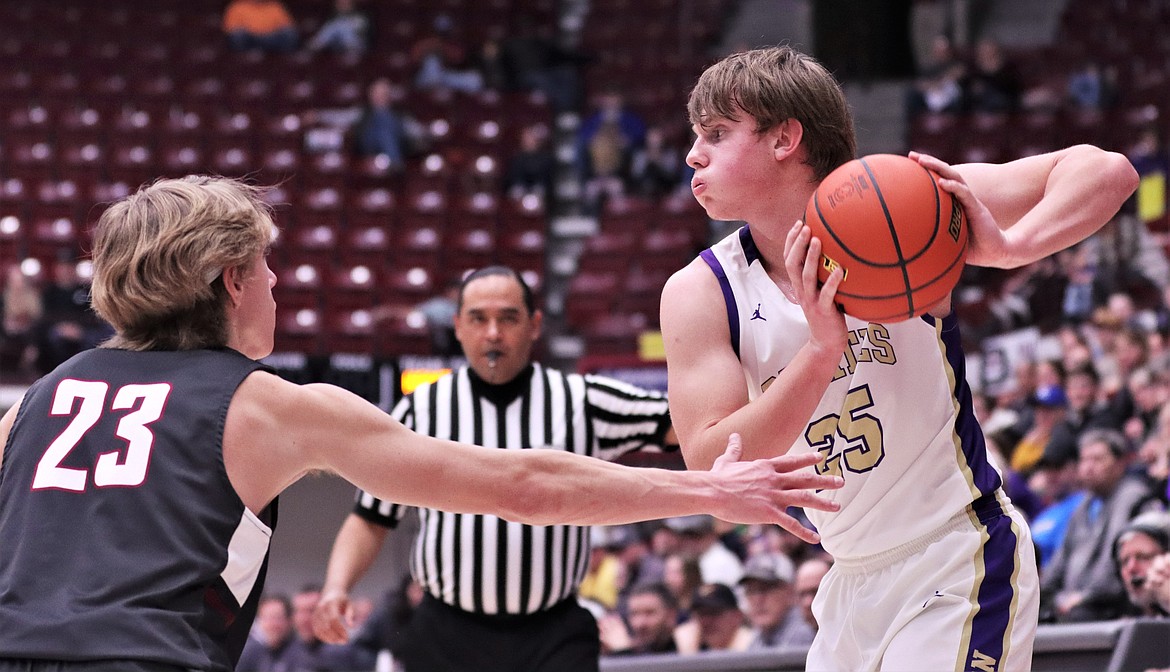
(759, 491)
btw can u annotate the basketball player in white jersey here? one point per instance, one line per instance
(934, 568)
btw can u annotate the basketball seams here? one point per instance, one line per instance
(889, 292)
(877, 190)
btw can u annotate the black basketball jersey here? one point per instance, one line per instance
(120, 534)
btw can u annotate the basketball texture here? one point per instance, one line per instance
(901, 239)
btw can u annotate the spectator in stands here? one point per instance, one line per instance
(1056, 484)
(655, 169)
(1149, 157)
(716, 624)
(808, 580)
(767, 586)
(682, 575)
(439, 311)
(605, 574)
(1092, 86)
(700, 540)
(607, 137)
(652, 612)
(606, 162)
(1049, 404)
(939, 85)
(991, 83)
(346, 31)
(265, 25)
(1154, 453)
(1081, 584)
(1144, 539)
(530, 170)
(440, 60)
(376, 128)
(1147, 387)
(67, 324)
(271, 646)
(1083, 291)
(21, 309)
(535, 61)
(488, 60)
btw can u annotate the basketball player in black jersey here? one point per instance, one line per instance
(138, 481)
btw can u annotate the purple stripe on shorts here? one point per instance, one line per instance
(728, 298)
(995, 596)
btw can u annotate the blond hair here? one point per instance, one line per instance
(773, 85)
(159, 255)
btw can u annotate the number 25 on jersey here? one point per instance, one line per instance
(114, 468)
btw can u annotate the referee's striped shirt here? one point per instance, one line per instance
(483, 564)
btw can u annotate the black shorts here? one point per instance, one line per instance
(29, 665)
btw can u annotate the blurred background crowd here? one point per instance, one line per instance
(410, 141)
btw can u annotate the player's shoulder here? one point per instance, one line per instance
(696, 276)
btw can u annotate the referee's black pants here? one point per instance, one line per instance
(441, 638)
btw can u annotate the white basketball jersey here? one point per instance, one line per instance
(896, 422)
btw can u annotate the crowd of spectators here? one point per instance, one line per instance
(986, 79)
(47, 321)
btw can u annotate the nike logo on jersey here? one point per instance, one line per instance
(756, 314)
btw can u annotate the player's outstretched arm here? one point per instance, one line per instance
(278, 431)
(1027, 209)
(708, 397)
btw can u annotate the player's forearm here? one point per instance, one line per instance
(558, 487)
(1084, 190)
(774, 421)
(357, 545)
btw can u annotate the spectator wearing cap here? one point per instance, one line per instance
(1141, 542)
(651, 613)
(1081, 584)
(1048, 409)
(717, 623)
(717, 563)
(771, 603)
(809, 575)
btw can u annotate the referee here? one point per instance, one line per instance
(497, 595)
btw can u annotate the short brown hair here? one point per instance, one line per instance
(773, 85)
(159, 255)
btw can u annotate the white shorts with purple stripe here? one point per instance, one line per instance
(963, 597)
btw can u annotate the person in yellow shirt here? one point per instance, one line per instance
(1050, 406)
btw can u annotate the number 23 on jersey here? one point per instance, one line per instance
(86, 401)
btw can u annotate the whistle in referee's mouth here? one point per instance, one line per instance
(493, 357)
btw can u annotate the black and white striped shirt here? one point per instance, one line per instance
(483, 564)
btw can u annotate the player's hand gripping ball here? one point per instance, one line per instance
(900, 238)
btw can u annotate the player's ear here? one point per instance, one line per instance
(233, 282)
(786, 137)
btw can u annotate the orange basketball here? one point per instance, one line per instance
(901, 238)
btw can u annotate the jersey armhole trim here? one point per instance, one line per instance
(728, 297)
